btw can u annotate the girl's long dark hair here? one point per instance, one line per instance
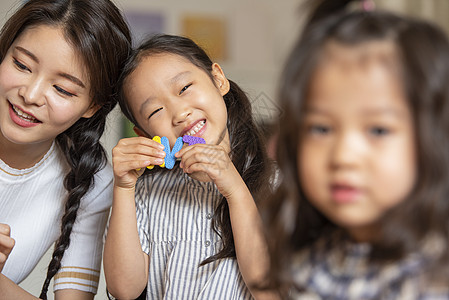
(423, 56)
(97, 31)
(247, 146)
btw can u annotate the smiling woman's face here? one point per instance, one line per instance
(44, 88)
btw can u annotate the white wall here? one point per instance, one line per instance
(260, 34)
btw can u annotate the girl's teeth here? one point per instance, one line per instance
(24, 116)
(196, 128)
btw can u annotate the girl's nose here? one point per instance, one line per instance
(181, 114)
(346, 151)
(32, 92)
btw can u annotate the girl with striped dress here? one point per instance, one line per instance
(194, 231)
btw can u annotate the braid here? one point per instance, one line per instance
(85, 160)
(250, 159)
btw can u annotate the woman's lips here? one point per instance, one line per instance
(22, 118)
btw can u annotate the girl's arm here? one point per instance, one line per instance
(250, 245)
(125, 264)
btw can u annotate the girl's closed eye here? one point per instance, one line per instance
(20, 65)
(157, 110)
(184, 89)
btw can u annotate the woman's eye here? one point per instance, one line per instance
(155, 112)
(184, 89)
(62, 91)
(379, 131)
(20, 65)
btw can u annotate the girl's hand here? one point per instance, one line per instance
(210, 162)
(6, 244)
(130, 158)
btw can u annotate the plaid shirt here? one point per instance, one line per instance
(335, 268)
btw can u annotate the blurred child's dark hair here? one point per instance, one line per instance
(247, 145)
(422, 54)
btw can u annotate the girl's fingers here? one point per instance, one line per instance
(208, 155)
(140, 140)
(186, 149)
(135, 157)
(131, 156)
(183, 150)
(141, 149)
(210, 169)
(136, 153)
(197, 148)
(123, 167)
(226, 180)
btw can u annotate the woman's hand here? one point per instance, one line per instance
(6, 244)
(130, 158)
(210, 162)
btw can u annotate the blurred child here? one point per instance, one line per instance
(362, 210)
(197, 233)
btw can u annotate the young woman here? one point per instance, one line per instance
(60, 61)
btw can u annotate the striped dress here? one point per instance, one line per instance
(174, 214)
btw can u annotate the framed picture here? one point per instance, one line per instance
(144, 24)
(208, 32)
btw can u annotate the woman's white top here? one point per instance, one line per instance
(32, 204)
(174, 214)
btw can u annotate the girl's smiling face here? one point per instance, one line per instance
(356, 157)
(169, 96)
(44, 88)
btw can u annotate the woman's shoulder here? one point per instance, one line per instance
(105, 175)
(99, 196)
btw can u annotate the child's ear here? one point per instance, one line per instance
(140, 132)
(220, 79)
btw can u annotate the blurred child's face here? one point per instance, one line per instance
(169, 96)
(356, 157)
(44, 88)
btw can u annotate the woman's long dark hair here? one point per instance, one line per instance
(247, 146)
(423, 56)
(97, 31)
